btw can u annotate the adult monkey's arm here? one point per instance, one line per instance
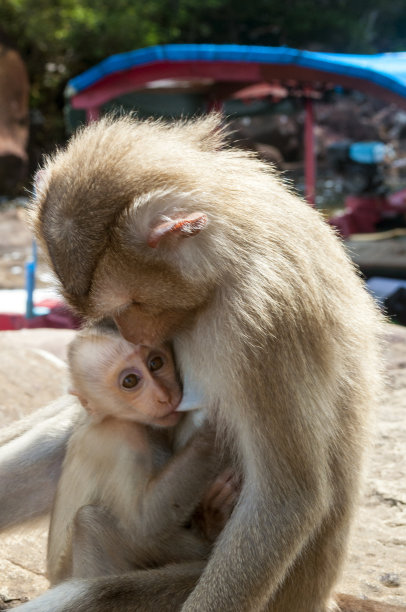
(31, 456)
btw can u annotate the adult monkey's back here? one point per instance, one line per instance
(179, 237)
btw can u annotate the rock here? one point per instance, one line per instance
(390, 580)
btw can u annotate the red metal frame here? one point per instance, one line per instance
(120, 83)
(137, 77)
(310, 158)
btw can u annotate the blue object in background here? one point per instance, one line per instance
(30, 268)
(381, 288)
(367, 152)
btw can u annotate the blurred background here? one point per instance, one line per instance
(49, 48)
(45, 43)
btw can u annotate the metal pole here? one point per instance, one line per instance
(310, 161)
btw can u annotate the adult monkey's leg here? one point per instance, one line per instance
(162, 590)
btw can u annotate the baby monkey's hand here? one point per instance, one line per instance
(218, 503)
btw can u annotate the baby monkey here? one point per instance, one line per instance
(130, 495)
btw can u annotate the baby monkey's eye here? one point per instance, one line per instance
(155, 363)
(129, 380)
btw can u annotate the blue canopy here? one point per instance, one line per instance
(385, 70)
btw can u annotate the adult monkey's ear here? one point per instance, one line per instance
(182, 227)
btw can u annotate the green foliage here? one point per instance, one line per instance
(60, 38)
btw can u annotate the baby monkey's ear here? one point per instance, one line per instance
(183, 227)
(85, 403)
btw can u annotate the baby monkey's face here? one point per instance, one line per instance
(145, 381)
(115, 378)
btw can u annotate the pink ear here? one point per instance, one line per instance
(82, 400)
(184, 227)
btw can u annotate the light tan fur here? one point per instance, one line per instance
(99, 358)
(123, 500)
(266, 313)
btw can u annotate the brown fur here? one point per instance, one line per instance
(265, 311)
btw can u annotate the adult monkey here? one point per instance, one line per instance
(265, 312)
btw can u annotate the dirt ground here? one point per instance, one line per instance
(32, 374)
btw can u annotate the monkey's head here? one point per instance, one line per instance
(127, 215)
(113, 377)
